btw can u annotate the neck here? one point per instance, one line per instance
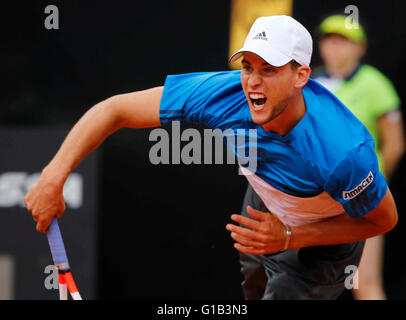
(288, 119)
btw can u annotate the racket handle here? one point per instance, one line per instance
(57, 247)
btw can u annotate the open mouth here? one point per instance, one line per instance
(258, 100)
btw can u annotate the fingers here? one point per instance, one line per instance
(27, 205)
(246, 241)
(35, 216)
(61, 210)
(42, 227)
(246, 233)
(245, 221)
(44, 220)
(27, 202)
(256, 214)
(43, 223)
(260, 234)
(249, 250)
(254, 223)
(44, 206)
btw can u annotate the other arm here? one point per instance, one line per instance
(267, 234)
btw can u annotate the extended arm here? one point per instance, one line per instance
(267, 234)
(134, 110)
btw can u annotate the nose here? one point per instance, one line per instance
(254, 80)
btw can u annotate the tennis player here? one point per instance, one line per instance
(316, 192)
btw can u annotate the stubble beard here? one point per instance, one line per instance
(277, 110)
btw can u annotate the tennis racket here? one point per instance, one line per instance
(65, 279)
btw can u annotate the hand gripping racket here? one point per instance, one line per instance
(65, 278)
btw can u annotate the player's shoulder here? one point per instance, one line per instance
(331, 132)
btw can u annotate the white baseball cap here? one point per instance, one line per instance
(278, 40)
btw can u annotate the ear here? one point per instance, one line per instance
(302, 76)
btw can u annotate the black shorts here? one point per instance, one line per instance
(308, 273)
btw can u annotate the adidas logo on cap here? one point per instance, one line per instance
(261, 36)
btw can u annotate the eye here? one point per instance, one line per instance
(246, 68)
(268, 70)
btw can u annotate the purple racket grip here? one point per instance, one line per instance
(56, 244)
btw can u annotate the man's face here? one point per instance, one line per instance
(268, 89)
(338, 52)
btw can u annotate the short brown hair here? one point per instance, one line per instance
(294, 65)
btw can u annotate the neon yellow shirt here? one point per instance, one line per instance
(368, 93)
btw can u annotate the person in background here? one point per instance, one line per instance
(372, 98)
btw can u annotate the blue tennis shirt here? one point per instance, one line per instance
(328, 152)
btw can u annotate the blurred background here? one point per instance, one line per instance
(134, 230)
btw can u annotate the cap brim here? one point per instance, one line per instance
(273, 57)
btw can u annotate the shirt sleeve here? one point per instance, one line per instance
(215, 99)
(356, 181)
